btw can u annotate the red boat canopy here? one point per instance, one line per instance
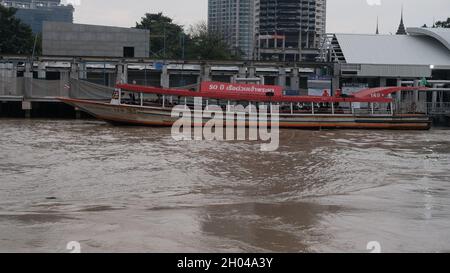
(375, 95)
(384, 91)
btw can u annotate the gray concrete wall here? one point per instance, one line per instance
(67, 39)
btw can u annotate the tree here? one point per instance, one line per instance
(165, 35)
(15, 36)
(443, 24)
(204, 44)
(169, 40)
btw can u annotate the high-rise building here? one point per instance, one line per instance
(283, 30)
(35, 12)
(289, 30)
(233, 20)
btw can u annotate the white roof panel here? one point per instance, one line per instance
(440, 34)
(393, 49)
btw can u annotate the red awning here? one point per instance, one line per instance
(384, 91)
(376, 95)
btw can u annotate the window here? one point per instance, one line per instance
(128, 52)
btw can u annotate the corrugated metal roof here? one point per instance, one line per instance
(393, 49)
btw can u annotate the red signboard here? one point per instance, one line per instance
(251, 89)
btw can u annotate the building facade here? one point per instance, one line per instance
(281, 30)
(35, 12)
(289, 30)
(67, 39)
(233, 20)
(419, 57)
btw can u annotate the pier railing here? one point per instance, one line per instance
(48, 90)
(438, 108)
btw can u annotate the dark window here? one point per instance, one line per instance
(304, 82)
(128, 52)
(349, 72)
(52, 75)
(391, 82)
(288, 81)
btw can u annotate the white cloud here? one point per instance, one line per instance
(374, 2)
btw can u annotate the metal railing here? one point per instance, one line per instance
(438, 108)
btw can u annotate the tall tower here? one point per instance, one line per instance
(283, 30)
(289, 30)
(401, 28)
(233, 20)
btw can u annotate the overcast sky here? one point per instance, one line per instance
(343, 16)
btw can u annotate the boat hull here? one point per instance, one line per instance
(158, 116)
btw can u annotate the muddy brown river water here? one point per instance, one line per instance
(134, 189)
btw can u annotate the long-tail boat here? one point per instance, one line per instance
(373, 108)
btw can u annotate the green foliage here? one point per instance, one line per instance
(443, 24)
(169, 40)
(165, 35)
(206, 45)
(15, 36)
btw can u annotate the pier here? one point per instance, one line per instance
(30, 84)
(31, 89)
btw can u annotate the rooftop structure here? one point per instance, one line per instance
(440, 34)
(392, 50)
(378, 29)
(401, 28)
(422, 56)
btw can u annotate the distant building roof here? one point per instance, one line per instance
(394, 49)
(440, 34)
